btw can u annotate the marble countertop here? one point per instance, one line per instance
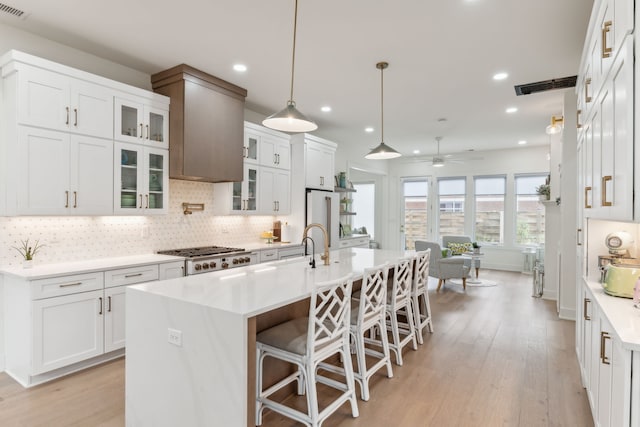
(624, 318)
(86, 266)
(255, 289)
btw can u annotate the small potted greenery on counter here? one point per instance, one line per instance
(28, 251)
(476, 247)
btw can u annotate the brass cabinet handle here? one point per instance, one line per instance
(146, 196)
(578, 124)
(584, 309)
(66, 285)
(132, 275)
(587, 82)
(66, 196)
(147, 127)
(278, 158)
(275, 159)
(278, 205)
(578, 243)
(605, 179)
(141, 136)
(322, 180)
(75, 112)
(100, 312)
(67, 122)
(75, 199)
(606, 51)
(603, 337)
(586, 197)
(141, 201)
(109, 304)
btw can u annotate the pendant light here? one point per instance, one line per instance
(290, 119)
(382, 151)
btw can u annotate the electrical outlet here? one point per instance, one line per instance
(145, 231)
(174, 337)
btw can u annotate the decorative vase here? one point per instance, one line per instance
(27, 263)
(543, 198)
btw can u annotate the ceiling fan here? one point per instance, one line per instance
(439, 160)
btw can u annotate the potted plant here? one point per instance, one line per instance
(28, 251)
(544, 192)
(476, 247)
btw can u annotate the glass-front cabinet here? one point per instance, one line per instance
(141, 179)
(244, 194)
(141, 123)
(250, 149)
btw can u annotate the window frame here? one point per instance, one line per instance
(437, 202)
(504, 210)
(515, 208)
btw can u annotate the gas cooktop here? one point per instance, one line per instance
(199, 252)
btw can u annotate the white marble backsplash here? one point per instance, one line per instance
(81, 238)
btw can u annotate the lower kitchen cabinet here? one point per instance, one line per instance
(606, 365)
(60, 324)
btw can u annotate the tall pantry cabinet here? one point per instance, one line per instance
(607, 349)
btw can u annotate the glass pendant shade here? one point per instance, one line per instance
(382, 152)
(556, 125)
(290, 119)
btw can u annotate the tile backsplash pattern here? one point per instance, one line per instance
(80, 238)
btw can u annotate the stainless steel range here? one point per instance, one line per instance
(212, 258)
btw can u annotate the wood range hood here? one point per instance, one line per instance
(206, 125)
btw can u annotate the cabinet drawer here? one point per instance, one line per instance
(268, 255)
(345, 243)
(293, 252)
(66, 285)
(129, 276)
(362, 242)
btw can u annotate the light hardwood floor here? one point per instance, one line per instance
(498, 357)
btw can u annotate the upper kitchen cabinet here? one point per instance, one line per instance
(54, 101)
(62, 174)
(266, 147)
(206, 125)
(141, 123)
(316, 158)
(57, 140)
(141, 180)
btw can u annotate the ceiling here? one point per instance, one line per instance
(442, 56)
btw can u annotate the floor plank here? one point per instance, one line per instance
(498, 357)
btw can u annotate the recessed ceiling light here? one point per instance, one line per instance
(523, 142)
(326, 109)
(511, 110)
(500, 76)
(241, 68)
(368, 129)
(416, 151)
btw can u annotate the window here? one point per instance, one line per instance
(364, 204)
(451, 193)
(415, 193)
(489, 209)
(529, 211)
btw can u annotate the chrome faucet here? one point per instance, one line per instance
(325, 256)
(312, 261)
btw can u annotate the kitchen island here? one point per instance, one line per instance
(191, 340)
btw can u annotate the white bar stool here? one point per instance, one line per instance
(420, 294)
(399, 302)
(305, 342)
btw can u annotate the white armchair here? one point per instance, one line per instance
(461, 239)
(443, 268)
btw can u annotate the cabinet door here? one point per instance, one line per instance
(250, 189)
(282, 192)
(43, 99)
(67, 330)
(621, 394)
(251, 147)
(316, 168)
(114, 318)
(171, 270)
(586, 323)
(275, 152)
(156, 181)
(128, 126)
(594, 359)
(617, 138)
(91, 109)
(283, 152)
(587, 169)
(156, 127)
(44, 177)
(91, 180)
(128, 178)
(604, 373)
(268, 205)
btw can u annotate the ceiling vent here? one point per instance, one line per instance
(561, 83)
(5, 8)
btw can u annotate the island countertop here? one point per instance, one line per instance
(191, 341)
(255, 289)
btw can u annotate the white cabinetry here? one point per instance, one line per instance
(354, 242)
(67, 322)
(315, 157)
(64, 174)
(141, 179)
(266, 185)
(55, 101)
(171, 270)
(56, 146)
(272, 254)
(138, 122)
